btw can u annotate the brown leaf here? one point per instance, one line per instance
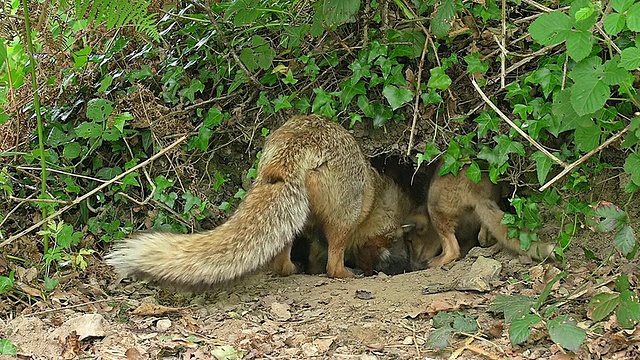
(135, 354)
(71, 346)
(148, 309)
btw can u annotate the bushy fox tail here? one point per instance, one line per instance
(491, 217)
(271, 214)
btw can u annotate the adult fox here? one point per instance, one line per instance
(311, 170)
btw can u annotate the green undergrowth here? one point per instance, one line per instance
(119, 83)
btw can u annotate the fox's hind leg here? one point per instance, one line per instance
(282, 264)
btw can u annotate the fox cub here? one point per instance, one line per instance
(455, 202)
(311, 172)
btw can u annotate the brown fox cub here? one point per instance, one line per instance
(452, 201)
(311, 170)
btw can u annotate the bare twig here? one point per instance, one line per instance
(514, 126)
(417, 101)
(90, 193)
(569, 168)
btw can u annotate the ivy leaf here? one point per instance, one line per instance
(633, 17)
(630, 57)
(350, 90)
(475, 64)
(438, 79)
(519, 329)
(614, 23)
(579, 45)
(589, 95)
(396, 96)
(7, 348)
(443, 18)
(603, 304)
(625, 239)
(336, 12)
(486, 122)
(543, 165)
(473, 172)
(564, 331)
(551, 28)
(281, 102)
(190, 91)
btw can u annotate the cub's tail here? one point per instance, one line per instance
(491, 216)
(272, 213)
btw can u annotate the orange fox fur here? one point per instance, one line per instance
(311, 170)
(451, 201)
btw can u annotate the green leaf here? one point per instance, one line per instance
(99, 109)
(281, 102)
(438, 79)
(349, 91)
(475, 65)
(88, 130)
(628, 312)
(551, 28)
(519, 329)
(214, 117)
(587, 136)
(473, 172)
(289, 79)
(614, 23)
(603, 304)
(336, 12)
(443, 18)
(543, 165)
(120, 119)
(431, 97)
(606, 217)
(564, 331)
(589, 95)
(632, 167)
(622, 283)
(625, 239)
(190, 91)
(71, 150)
(396, 96)
(486, 122)
(630, 57)
(613, 73)
(7, 348)
(465, 323)
(579, 45)
(633, 17)
(514, 306)
(621, 5)
(439, 338)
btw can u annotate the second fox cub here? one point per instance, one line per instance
(452, 201)
(311, 170)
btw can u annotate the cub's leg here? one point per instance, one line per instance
(445, 225)
(337, 238)
(282, 264)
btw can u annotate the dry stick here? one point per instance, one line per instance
(513, 125)
(85, 196)
(417, 102)
(567, 169)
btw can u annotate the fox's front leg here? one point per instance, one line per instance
(282, 264)
(337, 239)
(445, 226)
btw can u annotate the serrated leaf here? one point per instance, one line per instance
(438, 79)
(579, 45)
(473, 172)
(513, 307)
(625, 239)
(88, 130)
(564, 331)
(614, 23)
(621, 5)
(443, 18)
(628, 312)
(588, 69)
(551, 28)
(633, 17)
(439, 338)
(603, 304)
(396, 96)
(622, 283)
(543, 165)
(519, 329)
(589, 95)
(632, 167)
(336, 12)
(613, 73)
(630, 59)
(465, 323)
(587, 135)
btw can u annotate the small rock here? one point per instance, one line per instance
(86, 326)
(309, 349)
(408, 340)
(163, 324)
(323, 344)
(281, 311)
(364, 295)
(478, 251)
(483, 272)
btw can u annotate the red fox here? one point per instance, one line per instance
(311, 171)
(452, 201)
